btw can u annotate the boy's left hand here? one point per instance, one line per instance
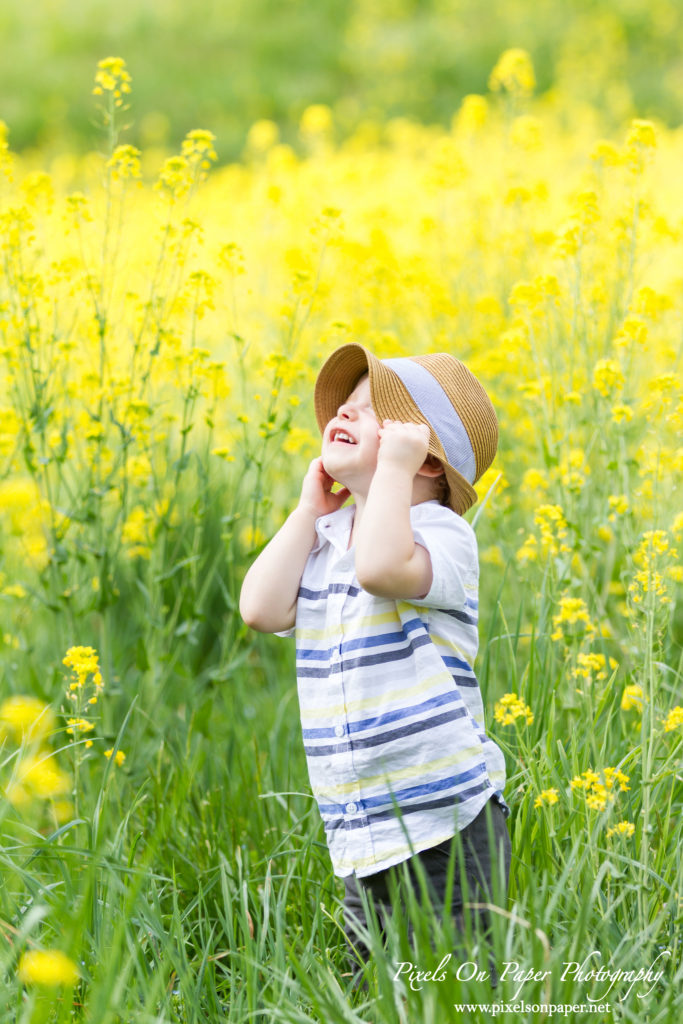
(405, 444)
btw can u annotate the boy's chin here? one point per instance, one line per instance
(328, 466)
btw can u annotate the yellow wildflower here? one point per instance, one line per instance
(622, 413)
(48, 967)
(641, 133)
(651, 555)
(197, 148)
(623, 828)
(262, 136)
(632, 697)
(618, 504)
(472, 115)
(119, 758)
(37, 777)
(83, 662)
(26, 718)
(316, 121)
(573, 613)
(591, 666)
(574, 469)
(78, 725)
(528, 551)
(535, 480)
(553, 526)
(112, 77)
(510, 707)
(546, 796)
(124, 163)
(674, 719)
(607, 377)
(597, 798)
(513, 73)
(599, 791)
(175, 178)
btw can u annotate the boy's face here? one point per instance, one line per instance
(351, 440)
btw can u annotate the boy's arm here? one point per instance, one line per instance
(388, 561)
(271, 586)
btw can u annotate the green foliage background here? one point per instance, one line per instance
(221, 64)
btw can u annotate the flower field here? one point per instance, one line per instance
(162, 320)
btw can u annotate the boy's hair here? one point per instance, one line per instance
(442, 491)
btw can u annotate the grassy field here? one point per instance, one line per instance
(162, 324)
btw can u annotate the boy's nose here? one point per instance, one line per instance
(346, 410)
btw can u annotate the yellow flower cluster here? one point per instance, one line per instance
(654, 557)
(551, 522)
(510, 707)
(47, 968)
(674, 720)
(608, 377)
(37, 777)
(316, 122)
(619, 506)
(574, 470)
(513, 73)
(26, 719)
(591, 667)
(36, 774)
(632, 697)
(112, 77)
(572, 621)
(125, 163)
(553, 527)
(83, 662)
(546, 796)
(119, 757)
(78, 725)
(623, 828)
(198, 148)
(599, 789)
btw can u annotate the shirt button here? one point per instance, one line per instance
(339, 730)
(351, 808)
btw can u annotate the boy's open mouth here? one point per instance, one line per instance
(341, 435)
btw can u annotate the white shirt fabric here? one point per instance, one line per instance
(391, 710)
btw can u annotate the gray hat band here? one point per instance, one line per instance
(438, 410)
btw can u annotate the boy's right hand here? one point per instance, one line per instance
(316, 491)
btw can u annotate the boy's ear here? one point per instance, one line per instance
(431, 467)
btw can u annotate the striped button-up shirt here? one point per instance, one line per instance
(391, 710)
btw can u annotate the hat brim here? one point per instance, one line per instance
(390, 400)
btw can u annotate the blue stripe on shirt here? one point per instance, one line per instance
(325, 670)
(363, 642)
(363, 820)
(410, 793)
(390, 716)
(334, 588)
(387, 737)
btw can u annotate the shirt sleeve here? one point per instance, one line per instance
(452, 547)
(286, 632)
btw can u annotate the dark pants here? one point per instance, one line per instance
(473, 853)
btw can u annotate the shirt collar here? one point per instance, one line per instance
(335, 527)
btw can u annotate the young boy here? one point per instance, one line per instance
(382, 595)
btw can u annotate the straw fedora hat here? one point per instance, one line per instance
(435, 389)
